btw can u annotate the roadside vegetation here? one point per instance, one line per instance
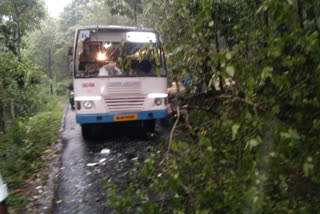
(30, 112)
(22, 147)
(247, 141)
(30, 122)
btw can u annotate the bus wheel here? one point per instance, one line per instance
(149, 125)
(165, 122)
(86, 131)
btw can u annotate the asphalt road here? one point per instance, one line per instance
(85, 170)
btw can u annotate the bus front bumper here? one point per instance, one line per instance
(112, 117)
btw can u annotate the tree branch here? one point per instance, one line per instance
(166, 158)
(295, 87)
(239, 99)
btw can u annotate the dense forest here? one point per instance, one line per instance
(246, 131)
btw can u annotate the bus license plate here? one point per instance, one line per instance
(125, 117)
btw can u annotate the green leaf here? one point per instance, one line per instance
(276, 109)
(204, 141)
(253, 143)
(290, 2)
(307, 168)
(174, 147)
(158, 73)
(228, 55)
(235, 129)
(230, 71)
(291, 134)
(202, 212)
(148, 7)
(266, 73)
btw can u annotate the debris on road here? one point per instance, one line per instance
(105, 151)
(59, 202)
(102, 160)
(92, 164)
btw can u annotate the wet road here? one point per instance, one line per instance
(85, 169)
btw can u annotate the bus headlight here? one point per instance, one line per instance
(158, 101)
(87, 104)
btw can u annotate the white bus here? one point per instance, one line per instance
(119, 75)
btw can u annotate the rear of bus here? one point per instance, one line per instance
(119, 76)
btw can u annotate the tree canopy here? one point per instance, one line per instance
(251, 142)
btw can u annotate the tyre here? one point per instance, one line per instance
(86, 131)
(149, 125)
(165, 122)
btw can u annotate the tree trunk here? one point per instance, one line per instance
(50, 70)
(299, 5)
(19, 42)
(312, 14)
(166, 5)
(2, 122)
(219, 63)
(135, 14)
(13, 114)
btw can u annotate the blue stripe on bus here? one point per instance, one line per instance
(108, 117)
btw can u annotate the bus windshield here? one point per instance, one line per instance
(114, 54)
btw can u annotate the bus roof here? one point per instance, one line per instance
(111, 27)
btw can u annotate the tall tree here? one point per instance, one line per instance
(17, 17)
(128, 8)
(42, 45)
(21, 16)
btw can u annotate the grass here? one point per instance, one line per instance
(21, 149)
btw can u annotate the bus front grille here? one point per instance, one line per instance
(120, 88)
(125, 103)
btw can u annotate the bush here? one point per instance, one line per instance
(21, 148)
(62, 88)
(254, 145)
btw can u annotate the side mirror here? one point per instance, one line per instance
(70, 51)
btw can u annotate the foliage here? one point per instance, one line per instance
(19, 76)
(97, 13)
(17, 18)
(63, 87)
(22, 146)
(35, 116)
(128, 8)
(19, 81)
(254, 149)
